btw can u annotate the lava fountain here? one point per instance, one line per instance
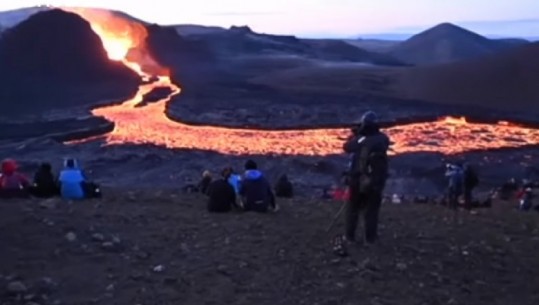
(150, 125)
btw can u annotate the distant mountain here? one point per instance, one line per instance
(339, 50)
(239, 41)
(446, 43)
(523, 28)
(192, 29)
(385, 36)
(513, 41)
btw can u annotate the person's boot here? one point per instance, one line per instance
(340, 246)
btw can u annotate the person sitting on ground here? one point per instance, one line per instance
(283, 188)
(72, 180)
(255, 190)
(12, 183)
(221, 194)
(45, 184)
(525, 197)
(508, 189)
(204, 182)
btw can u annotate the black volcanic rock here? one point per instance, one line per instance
(191, 61)
(54, 55)
(445, 43)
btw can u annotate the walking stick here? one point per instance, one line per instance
(336, 216)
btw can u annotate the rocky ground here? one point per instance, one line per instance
(161, 247)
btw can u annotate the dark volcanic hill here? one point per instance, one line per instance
(342, 51)
(191, 61)
(242, 41)
(54, 59)
(446, 43)
(506, 80)
(193, 29)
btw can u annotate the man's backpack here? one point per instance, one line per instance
(374, 165)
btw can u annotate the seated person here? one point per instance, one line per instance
(12, 183)
(508, 189)
(72, 181)
(45, 184)
(204, 182)
(283, 188)
(221, 194)
(255, 190)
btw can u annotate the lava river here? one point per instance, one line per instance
(150, 125)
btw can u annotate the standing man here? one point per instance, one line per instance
(368, 175)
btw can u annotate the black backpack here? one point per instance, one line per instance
(374, 166)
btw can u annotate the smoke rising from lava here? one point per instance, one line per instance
(125, 40)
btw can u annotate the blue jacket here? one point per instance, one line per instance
(235, 180)
(71, 181)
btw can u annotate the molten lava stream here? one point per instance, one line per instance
(149, 124)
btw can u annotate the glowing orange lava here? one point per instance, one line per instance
(149, 125)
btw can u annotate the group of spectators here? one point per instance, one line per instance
(250, 191)
(70, 183)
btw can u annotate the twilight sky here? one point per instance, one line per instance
(316, 17)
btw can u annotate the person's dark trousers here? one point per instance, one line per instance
(369, 204)
(468, 198)
(453, 199)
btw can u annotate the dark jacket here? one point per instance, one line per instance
(45, 184)
(369, 158)
(221, 196)
(256, 192)
(283, 188)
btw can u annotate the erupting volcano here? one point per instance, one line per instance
(125, 40)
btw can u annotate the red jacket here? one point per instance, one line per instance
(10, 178)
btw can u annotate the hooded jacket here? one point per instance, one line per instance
(256, 192)
(284, 188)
(71, 181)
(221, 196)
(45, 183)
(10, 178)
(368, 148)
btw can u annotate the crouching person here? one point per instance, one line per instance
(12, 183)
(221, 193)
(255, 190)
(73, 183)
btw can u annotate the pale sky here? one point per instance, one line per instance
(310, 17)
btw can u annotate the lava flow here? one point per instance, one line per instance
(149, 124)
